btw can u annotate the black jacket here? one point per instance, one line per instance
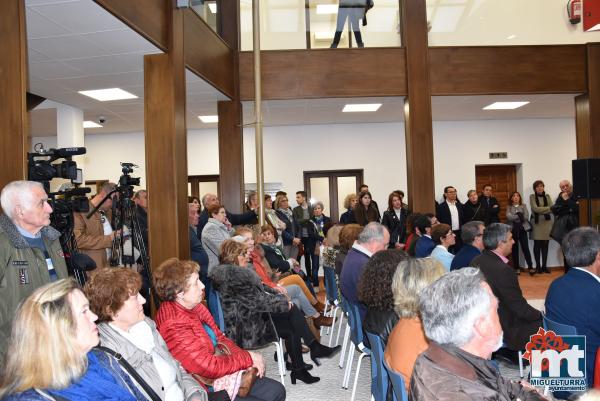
(290, 231)
(396, 227)
(381, 323)
(276, 260)
(519, 320)
(491, 212)
(473, 212)
(443, 213)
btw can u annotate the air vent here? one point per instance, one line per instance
(498, 155)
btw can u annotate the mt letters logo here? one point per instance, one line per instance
(557, 361)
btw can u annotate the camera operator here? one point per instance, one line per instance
(30, 251)
(95, 236)
(141, 201)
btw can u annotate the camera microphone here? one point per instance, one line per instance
(66, 152)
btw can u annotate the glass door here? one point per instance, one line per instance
(331, 187)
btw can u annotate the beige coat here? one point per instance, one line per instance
(541, 231)
(89, 234)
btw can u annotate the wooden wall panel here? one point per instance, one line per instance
(231, 155)
(303, 74)
(13, 90)
(207, 55)
(507, 69)
(149, 18)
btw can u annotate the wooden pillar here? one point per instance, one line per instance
(13, 90)
(417, 107)
(166, 148)
(587, 125)
(231, 139)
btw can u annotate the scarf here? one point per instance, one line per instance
(287, 212)
(536, 216)
(97, 384)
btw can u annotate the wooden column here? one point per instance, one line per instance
(587, 124)
(13, 90)
(166, 148)
(231, 139)
(417, 107)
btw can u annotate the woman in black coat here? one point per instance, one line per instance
(366, 212)
(350, 202)
(473, 210)
(394, 218)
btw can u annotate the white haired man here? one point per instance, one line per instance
(30, 251)
(460, 318)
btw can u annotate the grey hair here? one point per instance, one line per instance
(108, 187)
(372, 232)
(319, 203)
(18, 193)
(469, 231)
(204, 198)
(412, 275)
(451, 305)
(494, 234)
(581, 246)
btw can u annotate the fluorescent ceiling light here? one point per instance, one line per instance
(505, 105)
(105, 95)
(91, 124)
(355, 108)
(212, 7)
(209, 119)
(327, 8)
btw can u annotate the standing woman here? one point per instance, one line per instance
(365, 211)
(394, 218)
(472, 208)
(518, 215)
(289, 234)
(322, 223)
(541, 204)
(350, 202)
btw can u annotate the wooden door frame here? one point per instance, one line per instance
(333, 189)
(197, 179)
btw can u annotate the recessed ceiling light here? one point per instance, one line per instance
(327, 8)
(209, 119)
(356, 108)
(105, 95)
(212, 6)
(91, 124)
(505, 105)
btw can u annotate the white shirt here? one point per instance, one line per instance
(361, 248)
(454, 215)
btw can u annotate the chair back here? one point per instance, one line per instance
(379, 375)
(216, 310)
(559, 328)
(356, 330)
(397, 383)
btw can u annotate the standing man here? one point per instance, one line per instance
(519, 319)
(249, 217)
(303, 214)
(95, 235)
(141, 201)
(566, 212)
(30, 251)
(450, 212)
(490, 204)
(573, 299)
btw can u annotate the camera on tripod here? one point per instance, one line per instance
(126, 180)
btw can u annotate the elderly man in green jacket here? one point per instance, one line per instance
(30, 251)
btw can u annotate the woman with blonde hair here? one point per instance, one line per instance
(51, 354)
(350, 202)
(407, 339)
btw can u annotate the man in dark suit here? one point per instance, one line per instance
(519, 320)
(424, 245)
(472, 236)
(490, 204)
(450, 212)
(573, 299)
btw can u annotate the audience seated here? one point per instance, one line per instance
(460, 318)
(472, 237)
(407, 339)
(375, 292)
(348, 234)
(574, 298)
(412, 237)
(244, 301)
(248, 217)
(424, 245)
(443, 237)
(51, 355)
(373, 238)
(197, 252)
(216, 230)
(519, 319)
(195, 340)
(114, 297)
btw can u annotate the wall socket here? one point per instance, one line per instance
(498, 155)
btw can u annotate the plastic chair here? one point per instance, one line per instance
(356, 334)
(379, 374)
(399, 390)
(331, 303)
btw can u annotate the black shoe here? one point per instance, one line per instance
(288, 366)
(518, 272)
(531, 271)
(318, 350)
(333, 46)
(303, 376)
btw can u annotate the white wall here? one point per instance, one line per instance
(542, 148)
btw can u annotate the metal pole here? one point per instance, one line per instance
(258, 118)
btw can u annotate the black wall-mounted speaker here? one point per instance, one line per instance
(586, 178)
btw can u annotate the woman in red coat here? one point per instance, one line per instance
(193, 337)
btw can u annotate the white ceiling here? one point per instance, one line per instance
(76, 45)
